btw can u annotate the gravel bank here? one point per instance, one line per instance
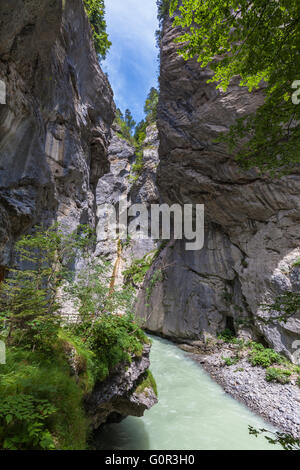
(278, 404)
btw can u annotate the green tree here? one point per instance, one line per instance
(258, 41)
(150, 108)
(140, 133)
(92, 294)
(163, 7)
(129, 121)
(29, 308)
(126, 125)
(286, 441)
(51, 365)
(283, 308)
(96, 13)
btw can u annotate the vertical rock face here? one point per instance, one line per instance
(55, 127)
(122, 182)
(252, 222)
(127, 392)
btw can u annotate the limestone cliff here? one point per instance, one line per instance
(122, 182)
(126, 393)
(54, 130)
(252, 223)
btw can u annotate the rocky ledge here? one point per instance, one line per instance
(129, 391)
(278, 404)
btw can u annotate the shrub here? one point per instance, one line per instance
(136, 273)
(140, 133)
(126, 125)
(286, 441)
(264, 357)
(95, 10)
(50, 367)
(22, 423)
(230, 361)
(28, 301)
(151, 104)
(227, 336)
(138, 166)
(45, 403)
(148, 381)
(113, 340)
(281, 376)
(163, 8)
(286, 305)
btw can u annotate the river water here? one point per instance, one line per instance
(194, 413)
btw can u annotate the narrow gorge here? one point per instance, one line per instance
(64, 157)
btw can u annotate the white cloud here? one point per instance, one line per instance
(132, 60)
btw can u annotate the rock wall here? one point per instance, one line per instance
(252, 222)
(55, 127)
(122, 182)
(126, 393)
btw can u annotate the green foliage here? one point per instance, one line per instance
(140, 133)
(129, 121)
(148, 381)
(264, 357)
(281, 376)
(96, 13)
(227, 336)
(126, 125)
(286, 441)
(163, 7)
(138, 166)
(298, 381)
(151, 104)
(155, 279)
(92, 294)
(49, 366)
(112, 339)
(24, 418)
(230, 361)
(256, 41)
(45, 402)
(136, 273)
(228, 296)
(28, 301)
(287, 305)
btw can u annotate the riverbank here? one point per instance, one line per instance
(277, 403)
(193, 412)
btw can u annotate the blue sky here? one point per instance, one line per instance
(132, 60)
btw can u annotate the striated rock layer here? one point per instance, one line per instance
(252, 223)
(122, 183)
(55, 128)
